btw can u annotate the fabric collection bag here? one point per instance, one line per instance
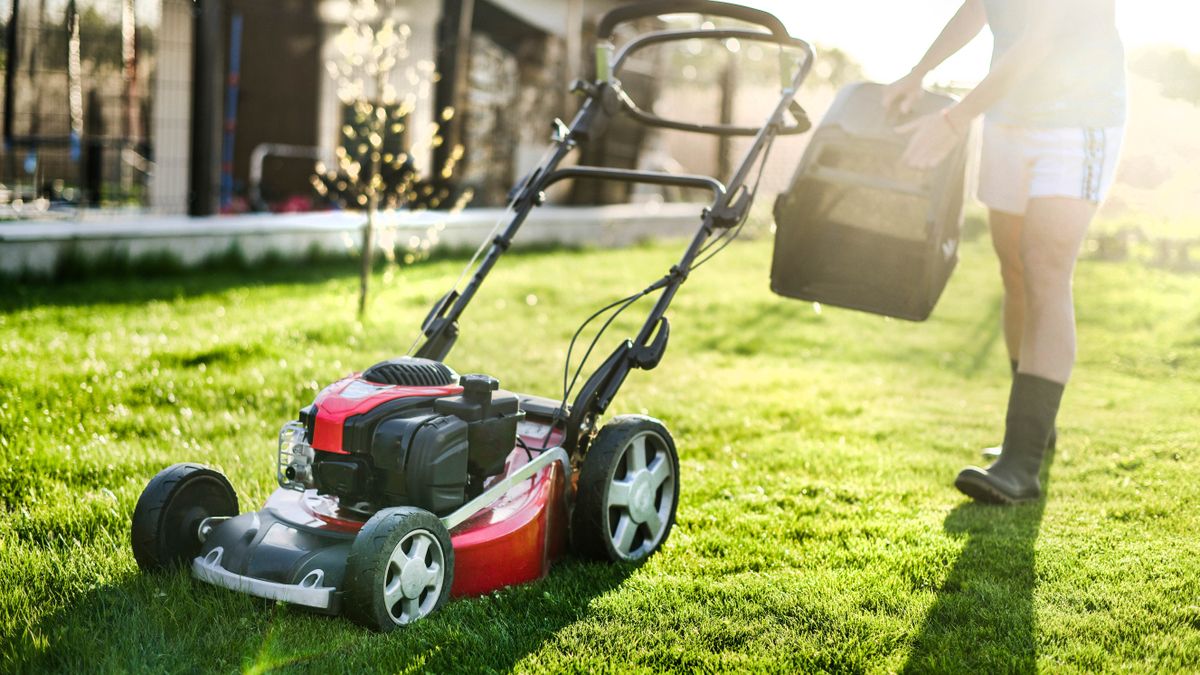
(860, 230)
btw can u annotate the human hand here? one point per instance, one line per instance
(934, 137)
(903, 94)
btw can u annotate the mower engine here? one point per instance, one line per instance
(406, 432)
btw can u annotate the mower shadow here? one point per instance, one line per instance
(144, 623)
(170, 623)
(983, 619)
(491, 633)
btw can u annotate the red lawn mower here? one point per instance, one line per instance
(406, 484)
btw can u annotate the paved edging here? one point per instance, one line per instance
(36, 246)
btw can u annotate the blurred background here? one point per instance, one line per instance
(135, 113)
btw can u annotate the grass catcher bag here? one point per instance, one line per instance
(857, 228)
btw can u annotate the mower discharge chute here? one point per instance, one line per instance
(407, 483)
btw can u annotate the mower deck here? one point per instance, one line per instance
(295, 549)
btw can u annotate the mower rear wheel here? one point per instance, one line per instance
(167, 518)
(628, 491)
(400, 569)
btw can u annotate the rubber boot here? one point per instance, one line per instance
(1032, 407)
(993, 453)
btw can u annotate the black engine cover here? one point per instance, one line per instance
(436, 468)
(433, 453)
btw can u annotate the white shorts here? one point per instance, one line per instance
(1020, 163)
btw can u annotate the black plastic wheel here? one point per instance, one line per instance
(628, 491)
(166, 520)
(400, 569)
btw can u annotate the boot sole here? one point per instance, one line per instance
(982, 491)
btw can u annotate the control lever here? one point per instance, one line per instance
(583, 87)
(801, 116)
(559, 131)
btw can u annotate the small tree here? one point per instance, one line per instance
(377, 170)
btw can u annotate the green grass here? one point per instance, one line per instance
(818, 528)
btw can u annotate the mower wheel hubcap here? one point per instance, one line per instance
(414, 577)
(641, 496)
(641, 502)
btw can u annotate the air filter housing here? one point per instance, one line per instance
(408, 371)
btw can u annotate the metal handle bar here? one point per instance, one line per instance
(643, 41)
(720, 130)
(644, 177)
(641, 10)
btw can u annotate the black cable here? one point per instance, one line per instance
(575, 337)
(528, 452)
(621, 305)
(733, 233)
(562, 406)
(629, 301)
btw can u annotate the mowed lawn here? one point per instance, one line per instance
(818, 528)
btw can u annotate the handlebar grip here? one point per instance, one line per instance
(640, 10)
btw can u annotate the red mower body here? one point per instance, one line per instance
(512, 540)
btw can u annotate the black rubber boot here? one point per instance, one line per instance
(1032, 407)
(993, 452)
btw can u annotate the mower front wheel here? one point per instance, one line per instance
(628, 491)
(400, 569)
(168, 515)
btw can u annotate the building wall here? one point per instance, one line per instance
(147, 139)
(517, 80)
(280, 76)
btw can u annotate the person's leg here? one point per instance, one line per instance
(1006, 231)
(1050, 244)
(1005, 180)
(1006, 241)
(1051, 238)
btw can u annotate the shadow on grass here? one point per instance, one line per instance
(171, 623)
(982, 338)
(983, 619)
(133, 290)
(149, 280)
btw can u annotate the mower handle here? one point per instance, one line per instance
(647, 8)
(682, 180)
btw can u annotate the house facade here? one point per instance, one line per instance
(209, 106)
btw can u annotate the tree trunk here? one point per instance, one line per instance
(368, 249)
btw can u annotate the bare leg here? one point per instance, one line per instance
(1006, 240)
(1050, 243)
(1052, 235)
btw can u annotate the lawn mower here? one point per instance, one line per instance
(408, 483)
